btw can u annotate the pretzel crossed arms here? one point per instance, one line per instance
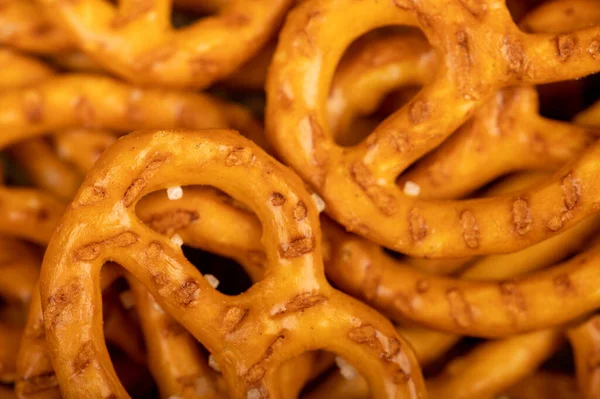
(472, 70)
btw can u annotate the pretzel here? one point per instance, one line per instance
(472, 70)
(179, 287)
(19, 267)
(191, 56)
(513, 359)
(79, 101)
(379, 65)
(82, 147)
(27, 27)
(18, 70)
(585, 340)
(28, 213)
(39, 162)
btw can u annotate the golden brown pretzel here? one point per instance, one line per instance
(479, 308)
(82, 147)
(196, 55)
(494, 366)
(475, 154)
(585, 340)
(38, 160)
(28, 213)
(228, 162)
(17, 70)
(474, 68)
(27, 27)
(83, 101)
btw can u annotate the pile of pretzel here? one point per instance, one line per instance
(299, 199)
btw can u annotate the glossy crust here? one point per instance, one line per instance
(229, 162)
(482, 51)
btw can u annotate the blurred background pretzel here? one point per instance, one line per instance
(193, 56)
(473, 69)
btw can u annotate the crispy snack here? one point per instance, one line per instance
(585, 340)
(229, 162)
(482, 51)
(194, 56)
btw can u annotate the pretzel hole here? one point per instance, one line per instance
(372, 76)
(230, 276)
(563, 100)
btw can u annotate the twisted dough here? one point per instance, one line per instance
(228, 162)
(482, 51)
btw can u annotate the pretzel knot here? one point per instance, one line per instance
(249, 335)
(482, 50)
(196, 55)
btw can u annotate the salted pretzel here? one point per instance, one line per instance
(472, 70)
(472, 156)
(247, 364)
(196, 55)
(585, 340)
(495, 365)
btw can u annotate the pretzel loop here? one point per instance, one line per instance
(227, 326)
(482, 51)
